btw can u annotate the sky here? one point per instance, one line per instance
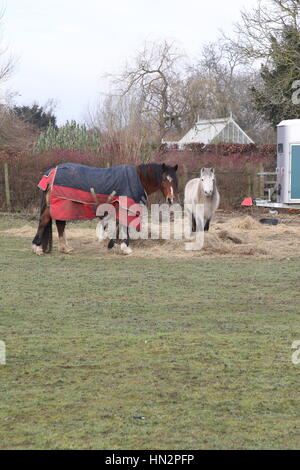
(65, 48)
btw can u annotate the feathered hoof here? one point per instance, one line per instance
(39, 251)
(126, 250)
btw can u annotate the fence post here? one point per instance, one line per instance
(261, 182)
(250, 185)
(6, 183)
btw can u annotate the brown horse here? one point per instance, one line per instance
(153, 177)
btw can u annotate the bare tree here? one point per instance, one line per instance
(154, 78)
(159, 92)
(122, 125)
(261, 28)
(13, 133)
(7, 62)
(270, 35)
(220, 85)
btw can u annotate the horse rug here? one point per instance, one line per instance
(71, 198)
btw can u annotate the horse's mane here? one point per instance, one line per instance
(151, 169)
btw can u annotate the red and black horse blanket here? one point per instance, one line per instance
(70, 188)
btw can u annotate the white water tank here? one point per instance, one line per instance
(288, 161)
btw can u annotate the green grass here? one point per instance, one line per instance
(201, 348)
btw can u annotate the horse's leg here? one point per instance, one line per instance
(200, 224)
(206, 227)
(100, 229)
(112, 242)
(194, 224)
(42, 242)
(125, 244)
(63, 246)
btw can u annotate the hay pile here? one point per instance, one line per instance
(229, 237)
(240, 224)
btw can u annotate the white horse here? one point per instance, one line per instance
(203, 191)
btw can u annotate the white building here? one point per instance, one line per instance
(213, 131)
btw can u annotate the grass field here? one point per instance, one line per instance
(201, 348)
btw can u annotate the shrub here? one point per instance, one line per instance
(71, 136)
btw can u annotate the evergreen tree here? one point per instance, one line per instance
(36, 115)
(274, 98)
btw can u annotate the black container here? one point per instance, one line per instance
(269, 221)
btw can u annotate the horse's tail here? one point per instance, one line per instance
(46, 238)
(43, 201)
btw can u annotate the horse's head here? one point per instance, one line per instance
(207, 178)
(155, 177)
(169, 183)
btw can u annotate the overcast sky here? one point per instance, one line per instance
(64, 47)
